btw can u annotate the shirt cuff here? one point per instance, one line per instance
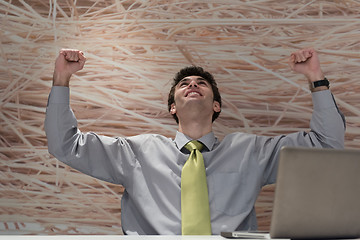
(60, 95)
(323, 99)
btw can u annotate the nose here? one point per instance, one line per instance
(193, 83)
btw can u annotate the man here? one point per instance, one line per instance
(150, 166)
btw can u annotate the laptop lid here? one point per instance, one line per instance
(317, 194)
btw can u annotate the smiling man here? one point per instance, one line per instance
(195, 105)
(194, 183)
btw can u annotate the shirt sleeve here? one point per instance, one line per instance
(105, 158)
(327, 130)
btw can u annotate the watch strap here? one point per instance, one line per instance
(320, 83)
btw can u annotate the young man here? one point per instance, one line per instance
(150, 166)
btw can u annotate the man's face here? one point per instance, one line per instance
(192, 91)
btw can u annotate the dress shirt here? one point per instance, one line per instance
(149, 165)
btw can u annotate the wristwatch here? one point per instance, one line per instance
(320, 83)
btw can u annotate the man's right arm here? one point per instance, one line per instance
(92, 154)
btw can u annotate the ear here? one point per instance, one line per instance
(173, 109)
(216, 106)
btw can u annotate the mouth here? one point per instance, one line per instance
(192, 93)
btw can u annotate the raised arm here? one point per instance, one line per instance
(327, 122)
(103, 157)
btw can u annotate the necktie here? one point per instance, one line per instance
(195, 211)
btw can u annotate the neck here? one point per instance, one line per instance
(195, 129)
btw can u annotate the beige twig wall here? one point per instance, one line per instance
(133, 50)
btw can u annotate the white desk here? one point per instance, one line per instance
(112, 237)
(108, 237)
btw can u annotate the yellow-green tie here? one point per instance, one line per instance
(195, 211)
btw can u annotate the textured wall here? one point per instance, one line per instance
(133, 50)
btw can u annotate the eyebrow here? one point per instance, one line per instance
(187, 78)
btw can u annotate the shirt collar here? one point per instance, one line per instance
(208, 140)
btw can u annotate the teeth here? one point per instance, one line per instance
(193, 93)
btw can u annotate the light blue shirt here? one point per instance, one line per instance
(149, 166)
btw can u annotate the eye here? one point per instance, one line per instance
(183, 84)
(202, 82)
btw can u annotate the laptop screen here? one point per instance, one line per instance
(317, 194)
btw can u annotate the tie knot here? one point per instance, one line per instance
(194, 144)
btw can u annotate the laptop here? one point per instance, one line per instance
(317, 195)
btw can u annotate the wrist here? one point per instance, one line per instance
(315, 76)
(60, 79)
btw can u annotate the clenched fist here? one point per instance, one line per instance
(68, 62)
(306, 61)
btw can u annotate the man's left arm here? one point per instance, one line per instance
(328, 124)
